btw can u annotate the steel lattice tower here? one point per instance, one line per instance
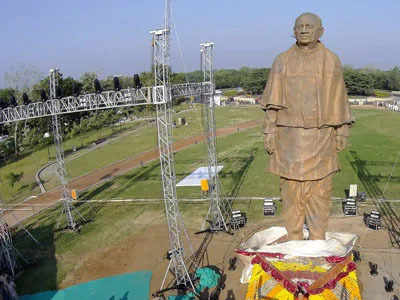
(163, 101)
(219, 210)
(7, 255)
(61, 171)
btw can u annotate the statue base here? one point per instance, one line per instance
(322, 269)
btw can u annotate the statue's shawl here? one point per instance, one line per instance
(332, 107)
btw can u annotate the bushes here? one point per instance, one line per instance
(381, 94)
(13, 178)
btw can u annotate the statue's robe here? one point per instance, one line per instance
(306, 107)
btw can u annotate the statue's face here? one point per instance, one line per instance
(307, 30)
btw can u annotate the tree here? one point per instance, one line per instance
(87, 80)
(13, 178)
(5, 95)
(358, 82)
(254, 80)
(6, 148)
(394, 79)
(69, 87)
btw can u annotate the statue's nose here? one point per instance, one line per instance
(303, 29)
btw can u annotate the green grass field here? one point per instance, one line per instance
(127, 145)
(33, 161)
(369, 160)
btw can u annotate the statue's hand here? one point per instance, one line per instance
(341, 143)
(269, 143)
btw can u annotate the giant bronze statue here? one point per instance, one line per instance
(307, 119)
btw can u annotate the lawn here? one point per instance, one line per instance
(30, 163)
(146, 139)
(368, 161)
(122, 147)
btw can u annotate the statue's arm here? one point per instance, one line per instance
(269, 130)
(342, 135)
(271, 102)
(343, 131)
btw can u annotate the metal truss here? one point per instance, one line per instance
(162, 94)
(90, 102)
(7, 250)
(190, 89)
(219, 211)
(60, 163)
(71, 104)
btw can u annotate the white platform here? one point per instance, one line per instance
(194, 178)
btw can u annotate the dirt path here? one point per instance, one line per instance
(29, 208)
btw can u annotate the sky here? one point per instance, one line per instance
(112, 37)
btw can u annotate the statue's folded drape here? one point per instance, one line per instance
(308, 89)
(307, 110)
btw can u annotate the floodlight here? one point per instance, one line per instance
(58, 92)
(43, 95)
(373, 269)
(388, 284)
(238, 219)
(25, 99)
(356, 255)
(232, 263)
(13, 102)
(97, 86)
(117, 86)
(136, 81)
(76, 89)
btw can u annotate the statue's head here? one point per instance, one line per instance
(308, 29)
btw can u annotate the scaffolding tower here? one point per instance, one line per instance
(60, 163)
(163, 101)
(7, 255)
(220, 210)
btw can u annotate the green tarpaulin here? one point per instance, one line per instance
(129, 286)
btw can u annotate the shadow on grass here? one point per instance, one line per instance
(38, 262)
(89, 195)
(239, 175)
(12, 158)
(370, 184)
(141, 174)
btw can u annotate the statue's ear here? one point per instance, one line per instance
(321, 31)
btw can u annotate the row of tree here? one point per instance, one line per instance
(366, 81)
(358, 82)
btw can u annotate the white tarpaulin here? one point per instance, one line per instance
(335, 244)
(194, 178)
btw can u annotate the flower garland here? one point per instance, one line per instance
(295, 288)
(259, 278)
